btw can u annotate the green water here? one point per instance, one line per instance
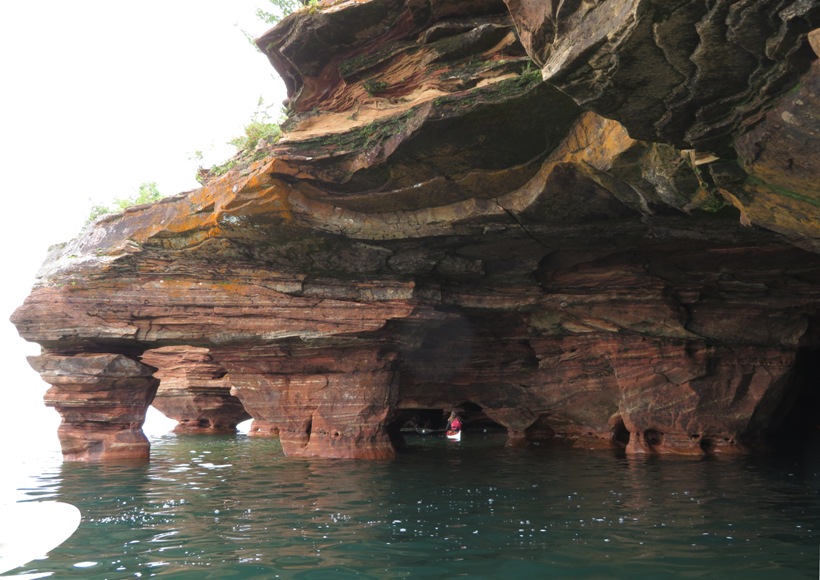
(235, 507)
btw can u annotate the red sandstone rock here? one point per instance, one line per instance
(102, 399)
(462, 214)
(329, 400)
(193, 390)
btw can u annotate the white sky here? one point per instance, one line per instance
(96, 97)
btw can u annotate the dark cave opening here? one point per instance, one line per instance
(540, 430)
(421, 421)
(407, 424)
(707, 445)
(653, 438)
(797, 419)
(475, 419)
(620, 434)
(309, 427)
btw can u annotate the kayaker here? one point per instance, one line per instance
(453, 423)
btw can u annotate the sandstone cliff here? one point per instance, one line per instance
(592, 220)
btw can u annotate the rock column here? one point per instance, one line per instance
(332, 403)
(102, 399)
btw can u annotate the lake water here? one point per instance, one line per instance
(236, 507)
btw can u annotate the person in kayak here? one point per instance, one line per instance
(453, 424)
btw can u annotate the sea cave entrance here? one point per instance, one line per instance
(796, 422)
(411, 425)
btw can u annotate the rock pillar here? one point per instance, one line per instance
(332, 403)
(516, 420)
(102, 399)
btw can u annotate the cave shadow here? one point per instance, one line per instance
(418, 426)
(796, 423)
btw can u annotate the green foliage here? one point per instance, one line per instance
(256, 131)
(147, 193)
(222, 168)
(281, 8)
(263, 129)
(374, 87)
(96, 211)
(263, 126)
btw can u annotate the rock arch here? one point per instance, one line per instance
(194, 390)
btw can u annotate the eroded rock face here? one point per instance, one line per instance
(328, 400)
(590, 221)
(102, 399)
(690, 73)
(193, 390)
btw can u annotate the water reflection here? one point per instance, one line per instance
(234, 507)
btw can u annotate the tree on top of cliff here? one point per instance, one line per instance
(281, 9)
(262, 130)
(262, 127)
(147, 193)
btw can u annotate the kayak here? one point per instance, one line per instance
(454, 435)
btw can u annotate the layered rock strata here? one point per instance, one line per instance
(193, 390)
(587, 221)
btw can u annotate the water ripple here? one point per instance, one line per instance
(225, 507)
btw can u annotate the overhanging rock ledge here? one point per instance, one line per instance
(594, 222)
